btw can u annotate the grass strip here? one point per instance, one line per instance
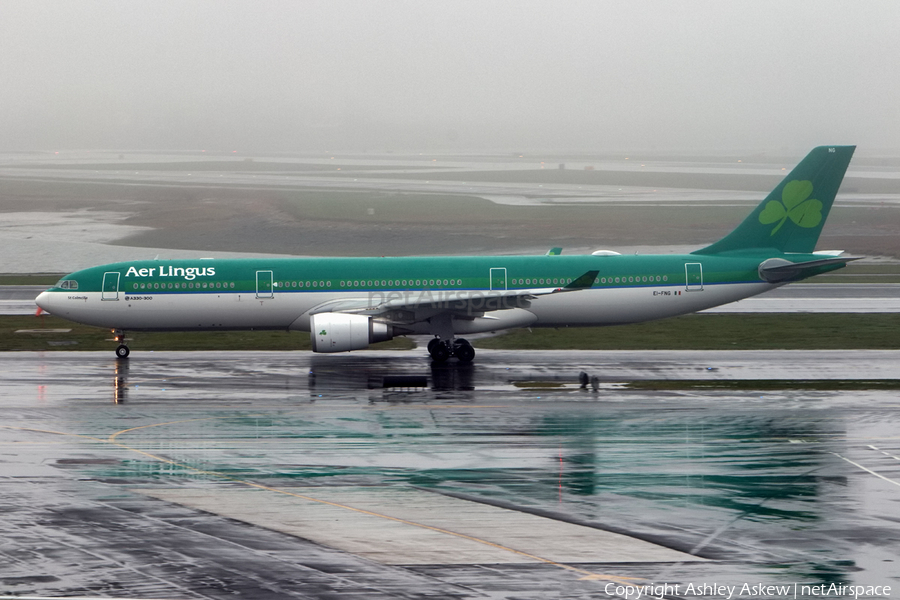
(729, 331)
(765, 384)
(47, 279)
(38, 335)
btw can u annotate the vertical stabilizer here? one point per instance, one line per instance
(791, 217)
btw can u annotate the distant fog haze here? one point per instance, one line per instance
(451, 76)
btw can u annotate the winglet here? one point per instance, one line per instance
(554, 251)
(583, 282)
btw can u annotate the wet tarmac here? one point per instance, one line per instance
(291, 475)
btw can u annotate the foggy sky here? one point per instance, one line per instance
(448, 76)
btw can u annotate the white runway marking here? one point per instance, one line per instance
(885, 453)
(856, 464)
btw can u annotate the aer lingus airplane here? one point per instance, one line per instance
(349, 303)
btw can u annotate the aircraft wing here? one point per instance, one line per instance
(469, 302)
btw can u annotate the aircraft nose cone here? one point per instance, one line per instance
(43, 300)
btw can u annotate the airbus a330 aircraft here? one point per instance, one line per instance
(349, 303)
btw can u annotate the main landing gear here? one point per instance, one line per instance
(441, 350)
(122, 350)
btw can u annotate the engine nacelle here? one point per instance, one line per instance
(339, 332)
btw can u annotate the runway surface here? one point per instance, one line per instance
(821, 297)
(289, 475)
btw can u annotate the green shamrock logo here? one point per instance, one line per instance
(323, 332)
(795, 205)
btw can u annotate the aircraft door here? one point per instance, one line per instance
(498, 279)
(110, 290)
(693, 273)
(264, 284)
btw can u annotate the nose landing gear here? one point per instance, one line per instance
(122, 350)
(441, 350)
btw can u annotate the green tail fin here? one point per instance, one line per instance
(791, 217)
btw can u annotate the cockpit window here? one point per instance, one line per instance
(67, 284)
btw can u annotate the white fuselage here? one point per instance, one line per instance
(290, 310)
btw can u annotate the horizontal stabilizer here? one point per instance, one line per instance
(775, 270)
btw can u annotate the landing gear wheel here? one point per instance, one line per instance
(463, 351)
(440, 352)
(122, 351)
(432, 343)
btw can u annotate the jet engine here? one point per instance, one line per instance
(340, 332)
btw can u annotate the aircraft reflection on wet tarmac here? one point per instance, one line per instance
(353, 375)
(357, 372)
(212, 454)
